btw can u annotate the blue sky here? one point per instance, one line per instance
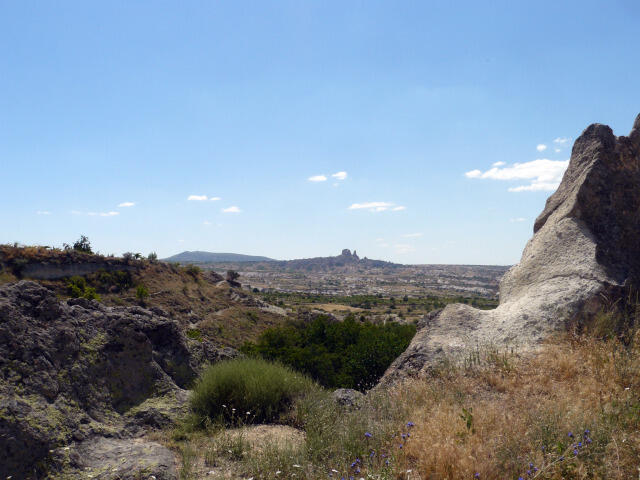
(425, 108)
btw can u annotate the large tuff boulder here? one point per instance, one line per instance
(586, 243)
(73, 373)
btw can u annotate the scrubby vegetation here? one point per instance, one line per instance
(569, 411)
(349, 354)
(400, 305)
(78, 288)
(247, 390)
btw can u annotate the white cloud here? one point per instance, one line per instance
(103, 214)
(377, 206)
(318, 178)
(535, 187)
(541, 147)
(95, 214)
(206, 222)
(402, 248)
(498, 164)
(543, 174)
(412, 235)
(43, 212)
(557, 150)
(517, 220)
(197, 198)
(562, 140)
(214, 199)
(231, 209)
(340, 175)
(126, 204)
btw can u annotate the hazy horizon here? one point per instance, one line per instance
(418, 133)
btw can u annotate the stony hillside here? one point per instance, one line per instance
(203, 303)
(97, 351)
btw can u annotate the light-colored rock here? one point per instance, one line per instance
(123, 459)
(586, 243)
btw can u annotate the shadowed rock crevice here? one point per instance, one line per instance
(586, 243)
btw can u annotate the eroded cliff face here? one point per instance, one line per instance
(79, 381)
(586, 242)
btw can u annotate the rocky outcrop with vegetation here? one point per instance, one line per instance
(80, 382)
(585, 248)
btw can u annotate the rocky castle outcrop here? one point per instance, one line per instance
(586, 245)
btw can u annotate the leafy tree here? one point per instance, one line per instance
(232, 276)
(152, 257)
(82, 245)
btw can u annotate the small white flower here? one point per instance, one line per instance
(334, 470)
(296, 465)
(278, 472)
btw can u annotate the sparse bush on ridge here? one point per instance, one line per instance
(247, 389)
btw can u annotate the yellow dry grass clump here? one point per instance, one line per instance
(570, 411)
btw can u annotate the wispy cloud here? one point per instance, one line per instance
(498, 164)
(562, 140)
(412, 235)
(43, 212)
(197, 198)
(339, 175)
(543, 174)
(541, 147)
(95, 214)
(517, 220)
(214, 199)
(206, 222)
(377, 206)
(103, 214)
(318, 178)
(402, 248)
(231, 209)
(126, 204)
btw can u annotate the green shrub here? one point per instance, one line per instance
(78, 288)
(247, 390)
(348, 354)
(142, 293)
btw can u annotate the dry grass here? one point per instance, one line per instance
(493, 419)
(523, 414)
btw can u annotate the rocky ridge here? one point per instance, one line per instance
(586, 247)
(81, 383)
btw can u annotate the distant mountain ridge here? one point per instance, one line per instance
(211, 257)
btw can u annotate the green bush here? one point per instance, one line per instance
(142, 293)
(78, 288)
(247, 390)
(348, 354)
